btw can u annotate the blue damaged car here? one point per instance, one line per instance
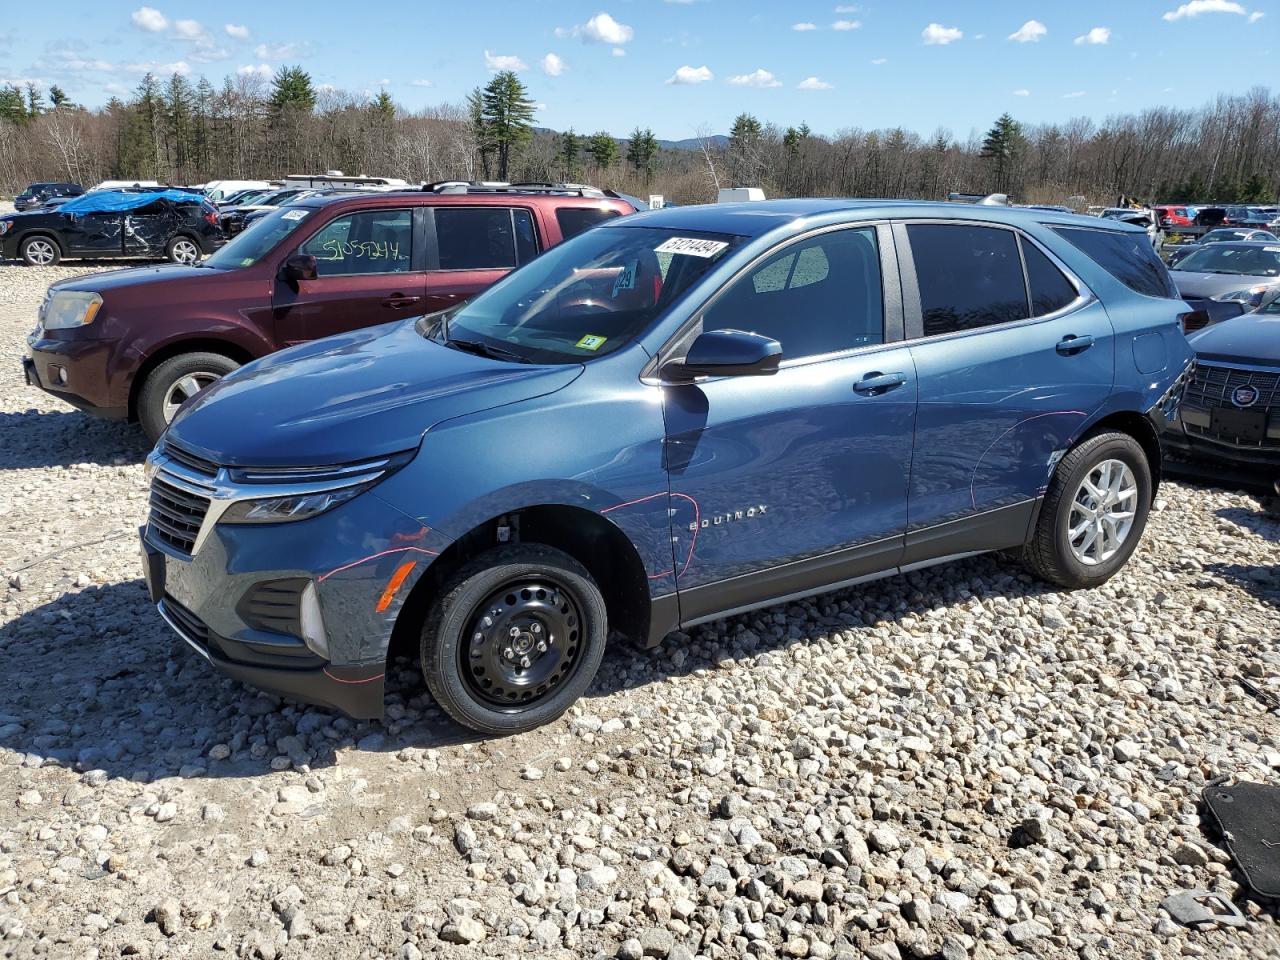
(674, 417)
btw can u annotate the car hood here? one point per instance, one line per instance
(351, 397)
(1205, 285)
(132, 276)
(1253, 338)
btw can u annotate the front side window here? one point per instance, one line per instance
(586, 297)
(374, 241)
(484, 238)
(1127, 256)
(969, 276)
(818, 296)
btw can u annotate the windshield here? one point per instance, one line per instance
(1245, 261)
(1217, 236)
(258, 239)
(586, 297)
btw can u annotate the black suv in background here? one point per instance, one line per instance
(181, 231)
(37, 193)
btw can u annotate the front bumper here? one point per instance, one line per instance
(80, 372)
(212, 598)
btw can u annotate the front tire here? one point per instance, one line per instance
(1094, 512)
(175, 381)
(513, 639)
(40, 251)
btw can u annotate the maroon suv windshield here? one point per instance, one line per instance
(259, 239)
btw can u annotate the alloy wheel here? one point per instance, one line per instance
(40, 252)
(183, 389)
(184, 251)
(1103, 511)
(521, 643)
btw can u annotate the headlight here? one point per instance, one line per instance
(306, 491)
(1247, 295)
(66, 310)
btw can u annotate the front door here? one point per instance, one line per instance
(93, 234)
(788, 483)
(369, 271)
(1014, 356)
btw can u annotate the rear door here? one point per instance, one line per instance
(147, 230)
(370, 270)
(471, 248)
(1013, 354)
(93, 234)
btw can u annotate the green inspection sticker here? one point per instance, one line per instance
(590, 342)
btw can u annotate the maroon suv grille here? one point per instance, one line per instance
(175, 515)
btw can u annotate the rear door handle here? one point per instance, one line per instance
(399, 300)
(1070, 345)
(874, 384)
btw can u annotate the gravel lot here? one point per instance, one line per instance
(957, 763)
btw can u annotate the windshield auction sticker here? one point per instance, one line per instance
(691, 246)
(591, 342)
(294, 215)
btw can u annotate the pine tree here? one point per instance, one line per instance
(148, 110)
(291, 89)
(507, 118)
(642, 152)
(12, 106)
(744, 149)
(602, 149)
(58, 98)
(179, 105)
(383, 107)
(35, 102)
(1004, 145)
(570, 145)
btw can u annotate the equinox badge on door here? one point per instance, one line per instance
(730, 516)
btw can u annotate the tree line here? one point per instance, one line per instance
(181, 132)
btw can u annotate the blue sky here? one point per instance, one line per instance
(677, 65)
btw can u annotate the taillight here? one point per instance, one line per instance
(1194, 320)
(211, 219)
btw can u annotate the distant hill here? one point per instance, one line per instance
(692, 143)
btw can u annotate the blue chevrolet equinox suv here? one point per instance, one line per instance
(674, 417)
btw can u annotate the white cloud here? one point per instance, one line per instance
(848, 8)
(619, 52)
(804, 26)
(421, 83)
(1022, 92)
(256, 70)
(496, 61)
(601, 28)
(690, 75)
(279, 51)
(1097, 35)
(813, 83)
(160, 69)
(150, 19)
(879, 60)
(553, 65)
(1073, 95)
(1197, 7)
(239, 32)
(188, 29)
(935, 34)
(1029, 32)
(846, 25)
(1256, 16)
(756, 78)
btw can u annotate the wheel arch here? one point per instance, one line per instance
(228, 349)
(1141, 429)
(593, 540)
(41, 232)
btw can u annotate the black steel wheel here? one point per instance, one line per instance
(514, 638)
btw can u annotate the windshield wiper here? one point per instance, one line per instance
(486, 350)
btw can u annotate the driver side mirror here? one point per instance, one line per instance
(299, 267)
(726, 353)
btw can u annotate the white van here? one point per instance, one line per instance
(217, 190)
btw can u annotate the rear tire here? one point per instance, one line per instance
(1094, 513)
(513, 639)
(40, 251)
(182, 250)
(172, 383)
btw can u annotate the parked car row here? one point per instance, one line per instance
(534, 420)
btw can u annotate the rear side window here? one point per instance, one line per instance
(484, 238)
(573, 220)
(1050, 290)
(1128, 257)
(969, 276)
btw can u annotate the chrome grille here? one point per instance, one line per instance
(1211, 386)
(176, 515)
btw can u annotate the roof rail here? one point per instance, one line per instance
(483, 186)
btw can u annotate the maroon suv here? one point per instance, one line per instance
(137, 343)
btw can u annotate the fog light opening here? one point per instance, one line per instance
(312, 622)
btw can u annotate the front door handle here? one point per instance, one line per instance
(874, 384)
(399, 300)
(1070, 345)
